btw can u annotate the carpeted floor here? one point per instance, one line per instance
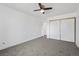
(42, 47)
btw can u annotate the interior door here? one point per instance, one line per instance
(54, 29)
(67, 30)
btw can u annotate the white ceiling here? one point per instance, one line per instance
(58, 8)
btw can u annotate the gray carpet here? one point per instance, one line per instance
(42, 47)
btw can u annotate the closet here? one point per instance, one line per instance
(62, 29)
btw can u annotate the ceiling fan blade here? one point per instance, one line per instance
(37, 10)
(48, 8)
(41, 6)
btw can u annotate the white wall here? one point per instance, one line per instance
(17, 27)
(62, 16)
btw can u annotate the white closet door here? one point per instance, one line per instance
(54, 31)
(67, 30)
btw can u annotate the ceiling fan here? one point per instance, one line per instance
(43, 8)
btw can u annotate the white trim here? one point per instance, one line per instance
(62, 16)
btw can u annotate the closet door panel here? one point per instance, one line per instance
(67, 30)
(54, 32)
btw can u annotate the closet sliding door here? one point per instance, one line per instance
(54, 29)
(67, 30)
(63, 29)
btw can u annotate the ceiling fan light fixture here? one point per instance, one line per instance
(42, 11)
